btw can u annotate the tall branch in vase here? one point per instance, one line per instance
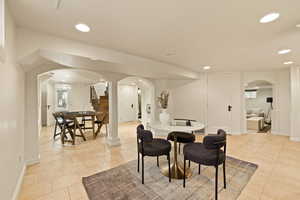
(163, 100)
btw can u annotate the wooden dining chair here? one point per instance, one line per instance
(71, 124)
(59, 124)
(101, 119)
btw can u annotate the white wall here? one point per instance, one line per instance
(127, 103)
(295, 106)
(188, 99)
(12, 116)
(78, 96)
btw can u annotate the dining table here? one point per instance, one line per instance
(84, 114)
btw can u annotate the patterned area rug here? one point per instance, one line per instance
(124, 183)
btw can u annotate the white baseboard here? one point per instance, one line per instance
(295, 139)
(32, 162)
(279, 133)
(19, 183)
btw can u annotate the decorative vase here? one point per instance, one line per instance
(164, 117)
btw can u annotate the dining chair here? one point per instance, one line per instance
(212, 152)
(101, 119)
(71, 124)
(149, 146)
(59, 123)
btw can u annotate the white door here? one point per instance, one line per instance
(127, 103)
(219, 102)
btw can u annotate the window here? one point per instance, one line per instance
(250, 94)
(62, 99)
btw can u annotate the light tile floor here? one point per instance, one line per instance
(58, 175)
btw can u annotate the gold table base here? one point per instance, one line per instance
(176, 167)
(176, 171)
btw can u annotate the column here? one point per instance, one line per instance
(295, 106)
(113, 137)
(31, 135)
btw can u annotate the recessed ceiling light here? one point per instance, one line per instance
(288, 62)
(206, 67)
(269, 18)
(298, 25)
(82, 27)
(284, 51)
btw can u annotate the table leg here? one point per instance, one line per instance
(176, 168)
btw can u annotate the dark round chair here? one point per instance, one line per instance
(182, 137)
(149, 146)
(208, 153)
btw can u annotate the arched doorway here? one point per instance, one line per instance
(32, 107)
(259, 106)
(65, 90)
(136, 100)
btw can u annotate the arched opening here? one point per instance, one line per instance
(66, 90)
(259, 106)
(136, 100)
(39, 74)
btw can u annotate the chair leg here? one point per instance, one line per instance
(184, 163)
(189, 163)
(216, 183)
(157, 161)
(55, 129)
(224, 175)
(63, 135)
(199, 170)
(106, 130)
(138, 167)
(179, 149)
(74, 135)
(169, 163)
(142, 169)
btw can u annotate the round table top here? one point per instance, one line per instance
(194, 127)
(182, 137)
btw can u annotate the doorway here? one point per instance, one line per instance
(258, 106)
(136, 100)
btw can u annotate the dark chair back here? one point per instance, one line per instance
(215, 141)
(144, 135)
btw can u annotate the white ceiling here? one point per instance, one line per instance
(223, 34)
(74, 76)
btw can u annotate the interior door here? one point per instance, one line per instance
(219, 102)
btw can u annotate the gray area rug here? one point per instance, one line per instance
(124, 182)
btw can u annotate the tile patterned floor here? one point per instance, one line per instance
(58, 175)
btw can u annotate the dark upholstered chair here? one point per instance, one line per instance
(149, 146)
(208, 153)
